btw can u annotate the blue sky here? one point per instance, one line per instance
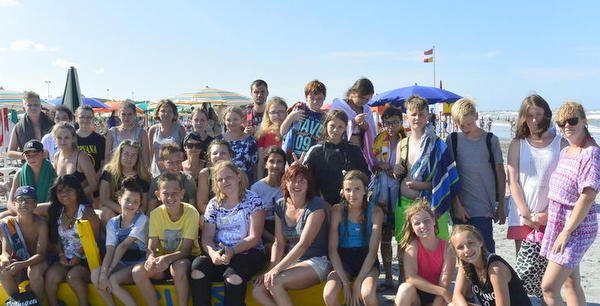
(496, 53)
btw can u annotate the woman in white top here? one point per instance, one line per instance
(168, 129)
(532, 157)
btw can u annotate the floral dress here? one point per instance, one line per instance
(572, 175)
(245, 155)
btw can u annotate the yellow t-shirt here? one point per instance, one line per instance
(171, 234)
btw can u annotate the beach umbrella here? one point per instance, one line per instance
(85, 100)
(114, 105)
(72, 95)
(13, 99)
(397, 96)
(213, 96)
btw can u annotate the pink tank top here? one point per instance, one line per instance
(430, 264)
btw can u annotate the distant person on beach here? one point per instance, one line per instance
(34, 125)
(253, 116)
(24, 239)
(361, 128)
(303, 126)
(572, 221)
(489, 124)
(386, 188)
(128, 129)
(167, 130)
(354, 238)
(428, 260)
(532, 157)
(489, 276)
(61, 114)
(482, 182)
(482, 123)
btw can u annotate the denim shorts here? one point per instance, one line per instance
(320, 264)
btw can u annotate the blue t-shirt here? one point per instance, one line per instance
(303, 134)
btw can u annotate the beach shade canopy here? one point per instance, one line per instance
(213, 96)
(398, 96)
(72, 95)
(114, 105)
(85, 100)
(14, 99)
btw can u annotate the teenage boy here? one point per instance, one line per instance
(172, 240)
(386, 186)
(24, 240)
(88, 140)
(259, 90)
(170, 162)
(302, 128)
(480, 182)
(425, 168)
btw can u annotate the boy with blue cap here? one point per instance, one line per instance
(24, 239)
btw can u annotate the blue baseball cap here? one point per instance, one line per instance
(26, 191)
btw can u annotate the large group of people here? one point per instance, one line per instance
(290, 196)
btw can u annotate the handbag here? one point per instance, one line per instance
(530, 264)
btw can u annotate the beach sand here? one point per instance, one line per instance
(589, 267)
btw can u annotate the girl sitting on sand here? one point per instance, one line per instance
(126, 238)
(354, 238)
(428, 260)
(490, 277)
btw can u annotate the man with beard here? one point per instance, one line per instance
(253, 116)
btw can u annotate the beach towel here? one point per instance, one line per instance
(15, 239)
(24, 129)
(45, 181)
(369, 133)
(435, 165)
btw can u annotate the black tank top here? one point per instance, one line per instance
(485, 292)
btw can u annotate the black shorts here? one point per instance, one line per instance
(353, 258)
(425, 297)
(270, 226)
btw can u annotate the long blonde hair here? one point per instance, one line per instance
(116, 170)
(226, 164)
(470, 270)
(408, 233)
(267, 125)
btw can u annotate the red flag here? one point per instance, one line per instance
(441, 84)
(428, 52)
(428, 60)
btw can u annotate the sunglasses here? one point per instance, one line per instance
(190, 145)
(571, 121)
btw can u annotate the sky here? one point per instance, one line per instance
(496, 53)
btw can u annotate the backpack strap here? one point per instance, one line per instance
(454, 137)
(488, 142)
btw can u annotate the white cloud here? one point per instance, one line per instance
(9, 2)
(29, 45)
(555, 74)
(410, 56)
(62, 63)
(98, 70)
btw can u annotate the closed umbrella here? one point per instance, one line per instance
(87, 101)
(72, 94)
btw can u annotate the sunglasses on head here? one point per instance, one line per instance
(571, 121)
(190, 145)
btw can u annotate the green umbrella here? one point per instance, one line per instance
(72, 94)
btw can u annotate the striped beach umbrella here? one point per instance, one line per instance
(213, 96)
(11, 98)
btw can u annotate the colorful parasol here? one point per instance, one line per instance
(213, 96)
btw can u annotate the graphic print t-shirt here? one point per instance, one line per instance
(304, 134)
(94, 145)
(171, 234)
(232, 224)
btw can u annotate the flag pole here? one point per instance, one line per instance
(434, 60)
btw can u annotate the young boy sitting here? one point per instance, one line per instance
(171, 158)
(24, 240)
(302, 128)
(172, 240)
(479, 181)
(425, 168)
